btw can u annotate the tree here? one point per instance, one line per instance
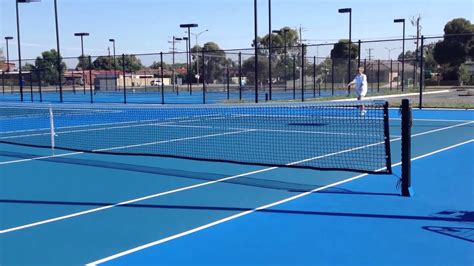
(132, 63)
(84, 63)
(430, 63)
(248, 69)
(453, 51)
(215, 61)
(340, 50)
(279, 41)
(104, 63)
(48, 66)
(339, 56)
(409, 55)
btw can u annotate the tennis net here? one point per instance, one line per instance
(348, 136)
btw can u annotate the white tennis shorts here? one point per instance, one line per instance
(361, 92)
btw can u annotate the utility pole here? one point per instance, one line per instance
(415, 21)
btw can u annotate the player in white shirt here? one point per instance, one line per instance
(360, 82)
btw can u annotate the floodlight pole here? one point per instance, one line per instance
(115, 63)
(82, 34)
(402, 20)
(348, 10)
(58, 51)
(20, 78)
(189, 26)
(270, 48)
(255, 14)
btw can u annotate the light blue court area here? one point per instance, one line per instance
(75, 208)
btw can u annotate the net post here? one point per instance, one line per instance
(388, 157)
(406, 114)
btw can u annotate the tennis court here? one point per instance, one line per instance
(78, 204)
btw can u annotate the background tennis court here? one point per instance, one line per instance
(91, 208)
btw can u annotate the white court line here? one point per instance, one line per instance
(244, 213)
(177, 190)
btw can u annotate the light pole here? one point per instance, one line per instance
(255, 19)
(270, 44)
(8, 55)
(82, 34)
(20, 77)
(59, 52)
(187, 63)
(115, 62)
(189, 26)
(348, 10)
(402, 20)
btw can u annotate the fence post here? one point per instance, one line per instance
(90, 79)
(302, 72)
(358, 55)
(314, 77)
(228, 83)
(31, 86)
(3, 82)
(422, 74)
(39, 84)
(332, 76)
(294, 77)
(240, 76)
(378, 75)
(203, 78)
(162, 80)
(124, 81)
(391, 74)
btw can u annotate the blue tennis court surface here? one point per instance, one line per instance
(75, 208)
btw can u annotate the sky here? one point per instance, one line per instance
(146, 26)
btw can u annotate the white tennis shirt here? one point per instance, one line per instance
(360, 82)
